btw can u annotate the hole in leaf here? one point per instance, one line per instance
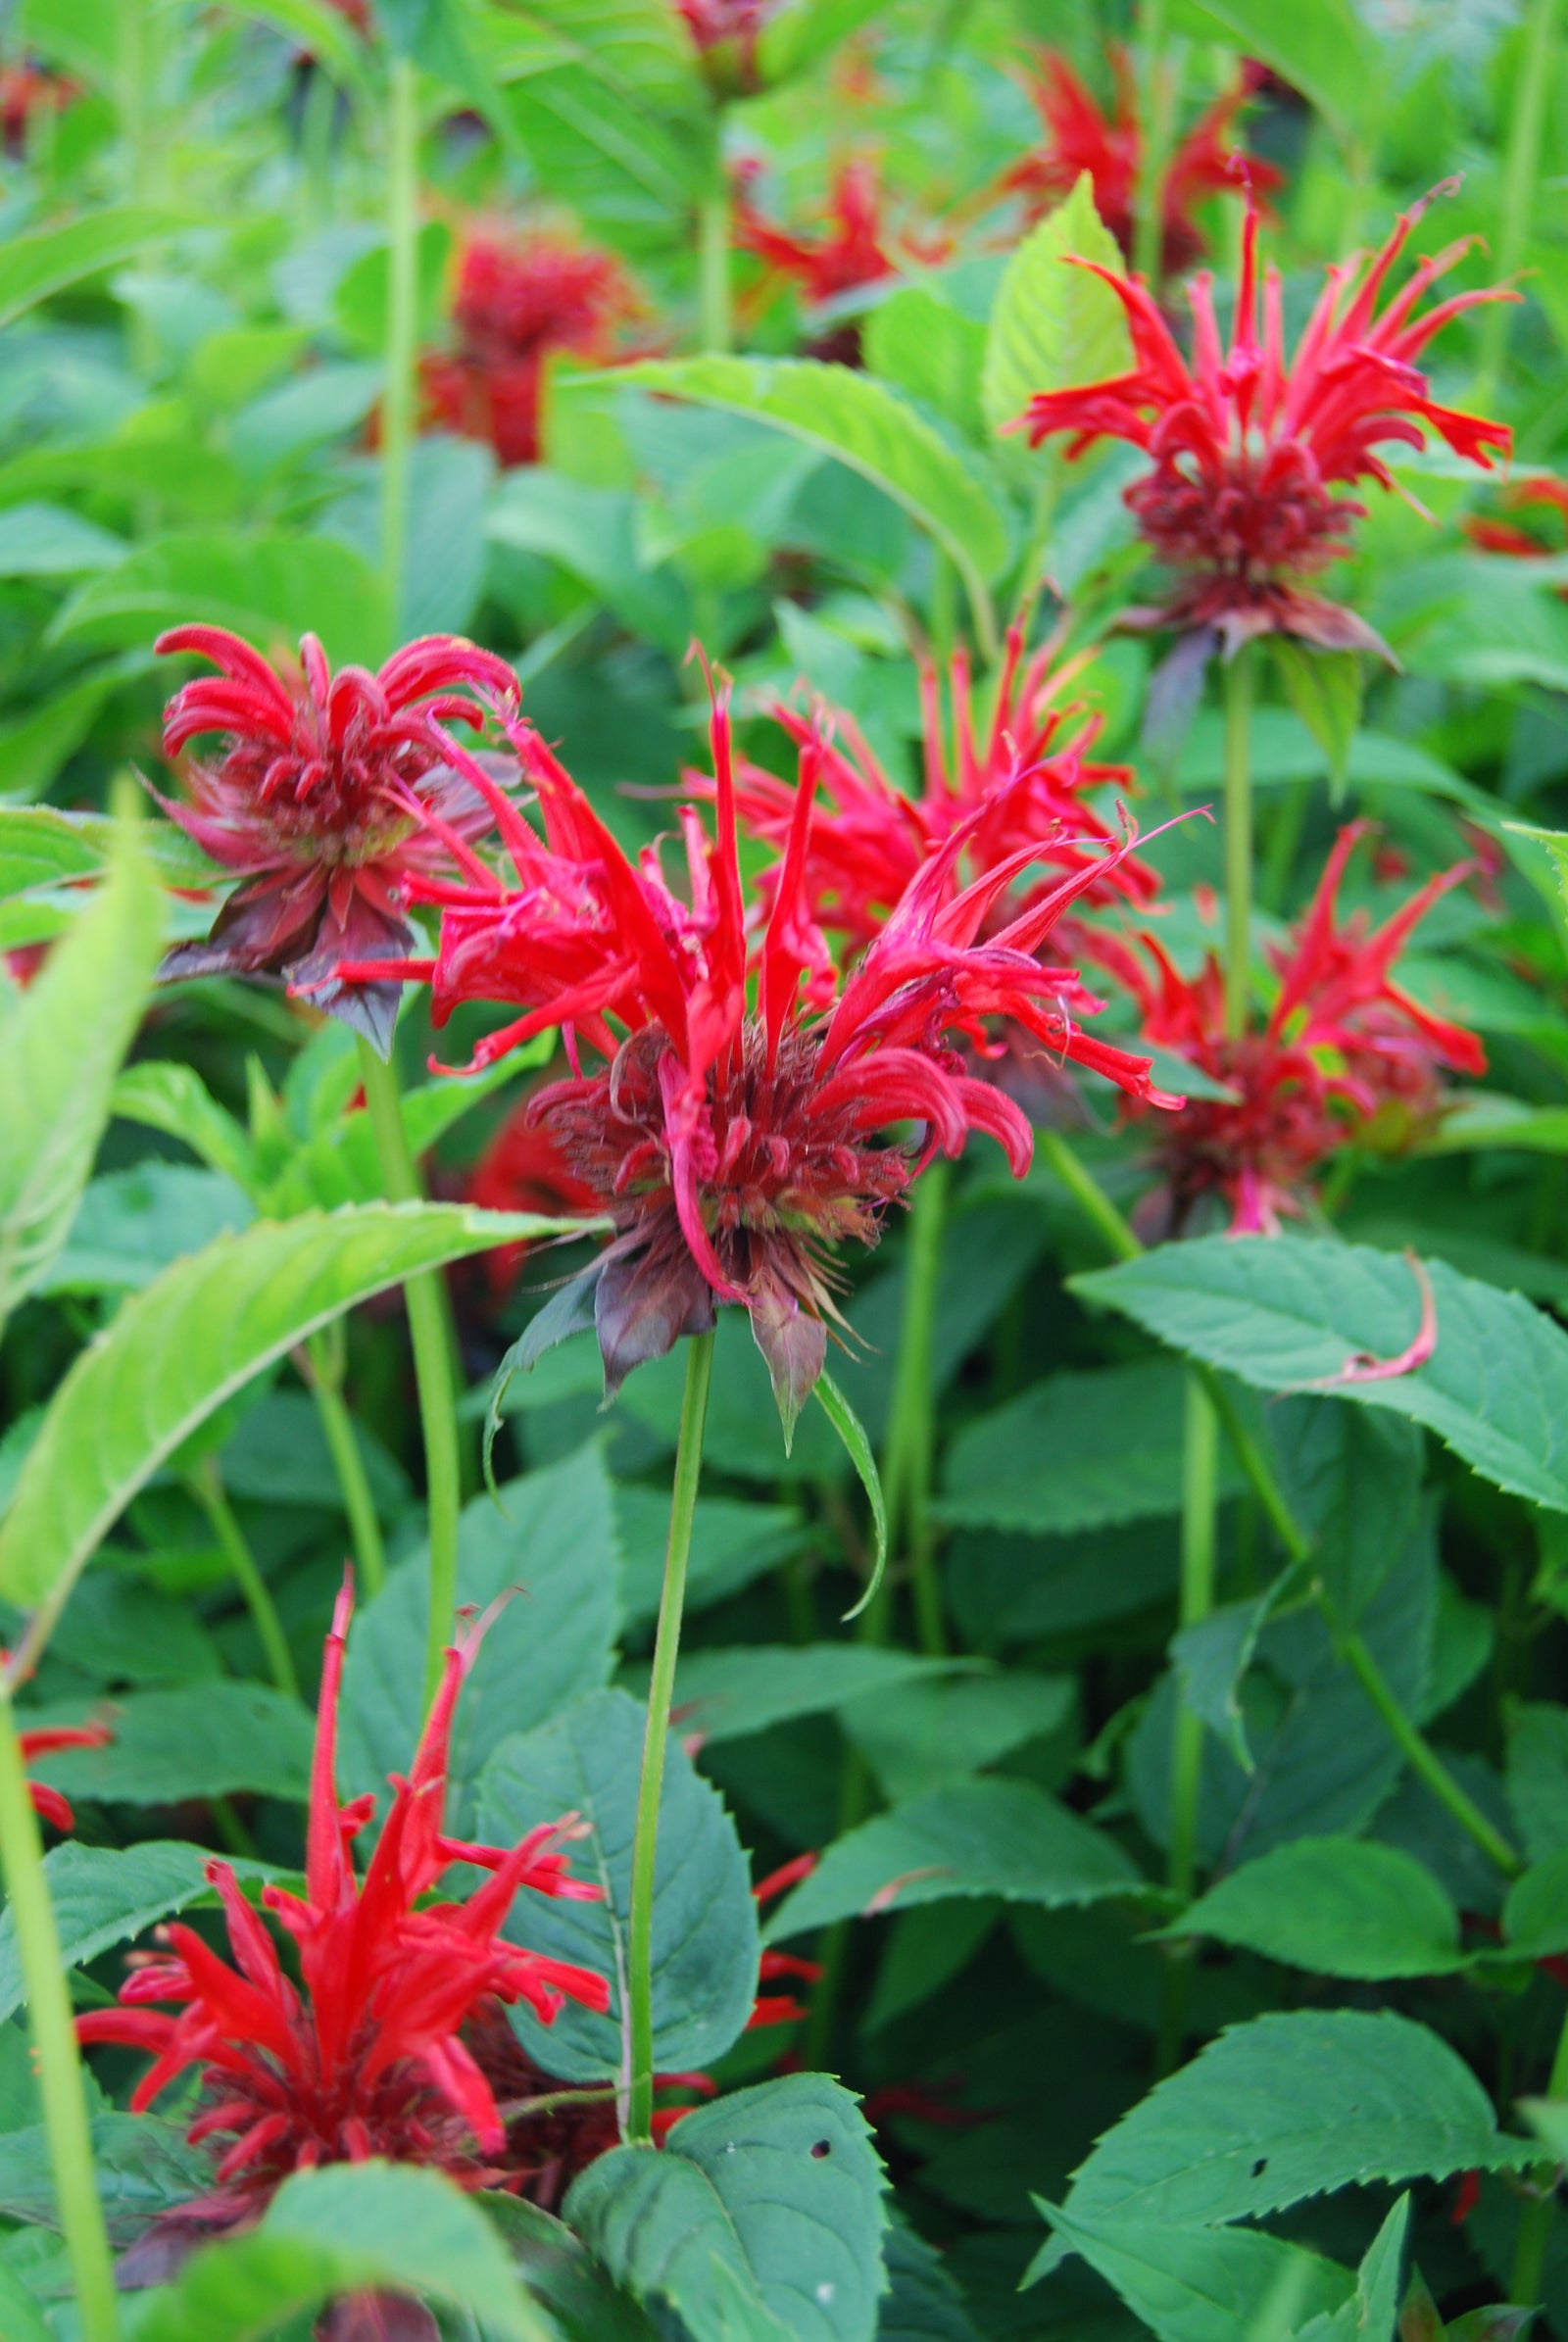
(1260, 2167)
(822, 2147)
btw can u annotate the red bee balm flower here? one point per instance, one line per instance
(367, 2060)
(735, 1147)
(516, 300)
(326, 799)
(1021, 783)
(1078, 137)
(1245, 450)
(849, 251)
(1344, 1056)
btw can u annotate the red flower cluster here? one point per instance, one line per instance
(326, 799)
(851, 248)
(1246, 449)
(1080, 137)
(369, 2060)
(734, 1149)
(519, 299)
(1022, 784)
(1344, 1056)
(1503, 536)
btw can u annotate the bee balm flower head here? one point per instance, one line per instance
(1248, 449)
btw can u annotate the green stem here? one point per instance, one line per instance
(1238, 839)
(715, 313)
(1200, 1509)
(65, 2107)
(206, 1484)
(1521, 171)
(1418, 1752)
(433, 1367)
(1157, 112)
(908, 1469)
(650, 1789)
(324, 1377)
(1422, 1759)
(402, 319)
(1535, 2222)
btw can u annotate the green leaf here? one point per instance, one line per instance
(271, 588)
(857, 1447)
(562, 2276)
(1538, 1775)
(175, 1352)
(922, 2303)
(1206, 2284)
(922, 343)
(1353, 1482)
(142, 2164)
(865, 426)
(987, 1836)
(319, 28)
(1290, 2106)
(131, 1224)
(1058, 1459)
(1320, 47)
(205, 1739)
(39, 540)
(59, 1050)
(1535, 1917)
(588, 1761)
(762, 2216)
(1054, 325)
(174, 1099)
(21, 2318)
(554, 1545)
(348, 2228)
(1380, 2289)
(724, 1694)
(104, 1895)
(1324, 687)
(799, 35)
(35, 267)
(934, 1728)
(35, 746)
(732, 1543)
(1335, 1906)
(1291, 1311)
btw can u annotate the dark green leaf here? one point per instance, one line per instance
(143, 2167)
(207, 1740)
(1537, 1775)
(1206, 2284)
(588, 1762)
(36, 265)
(724, 1694)
(922, 2303)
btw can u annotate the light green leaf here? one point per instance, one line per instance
(1054, 325)
(1290, 1312)
(43, 263)
(59, 1050)
(21, 2318)
(174, 1098)
(987, 1836)
(1324, 687)
(553, 1543)
(800, 35)
(1206, 2284)
(1057, 1458)
(1335, 1906)
(863, 424)
(104, 1895)
(271, 588)
(1290, 2106)
(348, 2228)
(588, 1761)
(1320, 47)
(761, 2218)
(857, 1447)
(925, 346)
(175, 1352)
(39, 540)
(322, 31)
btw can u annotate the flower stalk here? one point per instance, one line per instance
(716, 306)
(60, 2079)
(1159, 101)
(1521, 173)
(206, 1484)
(639, 2050)
(907, 1473)
(1535, 2222)
(402, 319)
(433, 1367)
(320, 1361)
(1237, 839)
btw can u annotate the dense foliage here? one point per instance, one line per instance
(783, 1101)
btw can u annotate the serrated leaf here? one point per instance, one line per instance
(554, 1547)
(987, 1836)
(922, 2302)
(104, 1895)
(35, 267)
(588, 1761)
(1379, 2288)
(1353, 1482)
(1290, 1312)
(1335, 1907)
(1054, 325)
(59, 1050)
(761, 2218)
(348, 2228)
(271, 588)
(143, 2167)
(205, 1739)
(175, 1352)
(1291, 2106)
(863, 424)
(1058, 1459)
(927, 347)
(1206, 2284)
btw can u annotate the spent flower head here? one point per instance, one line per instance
(325, 795)
(1345, 1055)
(736, 1141)
(364, 2057)
(1248, 448)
